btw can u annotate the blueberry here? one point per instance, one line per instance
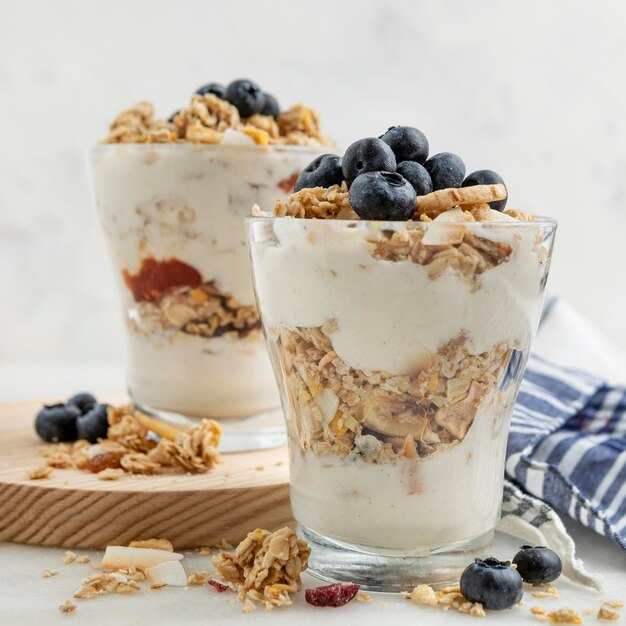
(94, 424)
(446, 170)
(270, 105)
(246, 96)
(407, 143)
(486, 177)
(382, 196)
(324, 171)
(495, 584)
(417, 175)
(538, 565)
(57, 422)
(367, 155)
(215, 88)
(83, 401)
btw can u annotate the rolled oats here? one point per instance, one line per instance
(565, 615)
(607, 613)
(69, 557)
(40, 473)
(67, 607)
(49, 573)
(154, 544)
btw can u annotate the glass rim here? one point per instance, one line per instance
(540, 220)
(193, 146)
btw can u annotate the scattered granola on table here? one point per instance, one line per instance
(265, 567)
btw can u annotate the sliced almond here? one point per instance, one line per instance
(163, 429)
(170, 573)
(122, 557)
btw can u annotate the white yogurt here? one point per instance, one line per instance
(188, 201)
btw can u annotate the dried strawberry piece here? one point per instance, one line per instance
(155, 277)
(287, 184)
(337, 594)
(219, 587)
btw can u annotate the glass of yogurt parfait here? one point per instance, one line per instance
(172, 196)
(399, 318)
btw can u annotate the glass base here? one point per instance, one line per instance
(391, 570)
(241, 434)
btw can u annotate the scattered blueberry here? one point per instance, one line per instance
(382, 196)
(367, 155)
(417, 175)
(324, 171)
(270, 105)
(446, 170)
(57, 422)
(246, 96)
(486, 177)
(94, 424)
(83, 401)
(407, 143)
(537, 565)
(215, 88)
(495, 584)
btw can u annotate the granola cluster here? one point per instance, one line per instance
(265, 567)
(380, 416)
(208, 117)
(132, 448)
(203, 311)
(466, 254)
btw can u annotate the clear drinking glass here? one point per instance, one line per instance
(173, 216)
(398, 349)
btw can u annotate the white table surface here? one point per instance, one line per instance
(26, 598)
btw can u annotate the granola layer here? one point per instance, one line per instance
(203, 311)
(208, 117)
(381, 416)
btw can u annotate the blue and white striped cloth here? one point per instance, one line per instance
(567, 446)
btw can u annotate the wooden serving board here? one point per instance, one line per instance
(74, 509)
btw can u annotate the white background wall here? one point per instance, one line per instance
(534, 89)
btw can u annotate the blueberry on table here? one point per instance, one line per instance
(323, 171)
(486, 177)
(367, 155)
(246, 96)
(83, 401)
(215, 88)
(417, 175)
(94, 424)
(57, 422)
(495, 584)
(407, 143)
(382, 196)
(270, 105)
(538, 565)
(446, 170)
